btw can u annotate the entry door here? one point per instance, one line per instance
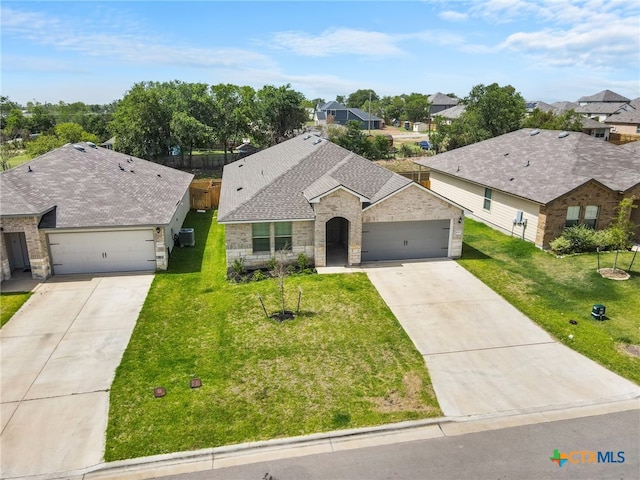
(17, 252)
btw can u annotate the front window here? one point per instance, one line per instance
(573, 216)
(487, 198)
(591, 216)
(260, 233)
(283, 236)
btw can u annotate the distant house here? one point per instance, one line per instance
(596, 129)
(542, 106)
(603, 104)
(605, 96)
(308, 195)
(85, 209)
(336, 113)
(439, 102)
(562, 107)
(625, 122)
(534, 183)
(451, 114)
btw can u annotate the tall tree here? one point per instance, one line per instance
(359, 98)
(416, 107)
(281, 112)
(142, 122)
(495, 109)
(233, 108)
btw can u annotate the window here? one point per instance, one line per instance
(638, 129)
(260, 233)
(283, 236)
(591, 216)
(487, 198)
(573, 216)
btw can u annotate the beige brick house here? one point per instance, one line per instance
(534, 183)
(308, 195)
(86, 209)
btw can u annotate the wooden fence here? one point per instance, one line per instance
(419, 177)
(205, 193)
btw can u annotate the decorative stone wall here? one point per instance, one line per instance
(338, 204)
(162, 256)
(36, 246)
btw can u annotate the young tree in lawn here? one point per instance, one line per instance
(622, 228)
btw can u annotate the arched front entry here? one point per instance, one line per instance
(337, 241)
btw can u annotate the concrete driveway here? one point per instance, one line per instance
(483, 355)
(59, 354)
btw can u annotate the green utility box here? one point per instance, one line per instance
(598, 311)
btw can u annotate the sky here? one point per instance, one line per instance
(94, 52)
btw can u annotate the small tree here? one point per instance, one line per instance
(622, 228)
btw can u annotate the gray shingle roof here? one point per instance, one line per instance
(540, 167)
(278, 183)
(604, 96)
(562, 107)
(451, 113)
(441, 99)
(632, 117)
(601, 107)
(89, 189)
(632, 146)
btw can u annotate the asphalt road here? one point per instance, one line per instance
(512, 453)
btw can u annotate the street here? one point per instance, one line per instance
(597, 447)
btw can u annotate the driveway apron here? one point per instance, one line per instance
(484, 356)
(59, 354)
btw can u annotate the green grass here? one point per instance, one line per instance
(18, 160)
(344, 361)
(552, 291)
(10, 303)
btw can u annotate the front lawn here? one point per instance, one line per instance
(10, 303)
(552, 291)
(344, 362)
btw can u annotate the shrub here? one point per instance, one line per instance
(272, 264)
(258, 275)
(602, 239)
(561, 245)
(303, 262)
(238, 265)
(581, 238)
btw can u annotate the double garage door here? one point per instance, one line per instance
(101, 252)
(405, 240)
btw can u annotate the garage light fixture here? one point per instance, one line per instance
(460, 219)
(157, 229)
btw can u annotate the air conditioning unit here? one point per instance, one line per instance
(187, 237)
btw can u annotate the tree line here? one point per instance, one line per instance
(157, 119)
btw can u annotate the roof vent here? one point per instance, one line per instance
(78, 147)
(241, 165)
(563, 134)
(159, 175)
(527, 163)
(535, 132)
(315, 142)
(238, 189)
(29, 169)
(506, 154)
(91, 144)
(306, 137)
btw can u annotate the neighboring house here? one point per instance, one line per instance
(85, 209)
(562, 107)
(625, 123)
(605, 96)
(534, 183)
(542, 106)
(439, 102)
(451, 114)
(309, 195)
(336, 113)
(600, 111)
(109, 143)
(596, 129)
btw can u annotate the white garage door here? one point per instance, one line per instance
(405, 240)
(100, 252)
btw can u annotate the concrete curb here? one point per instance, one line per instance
(340, 440)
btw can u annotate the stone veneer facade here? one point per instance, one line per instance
(414, 203)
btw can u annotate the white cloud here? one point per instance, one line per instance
(337, 42)
(453, 16)
(128, 44)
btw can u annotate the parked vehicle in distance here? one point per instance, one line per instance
(424, 145)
